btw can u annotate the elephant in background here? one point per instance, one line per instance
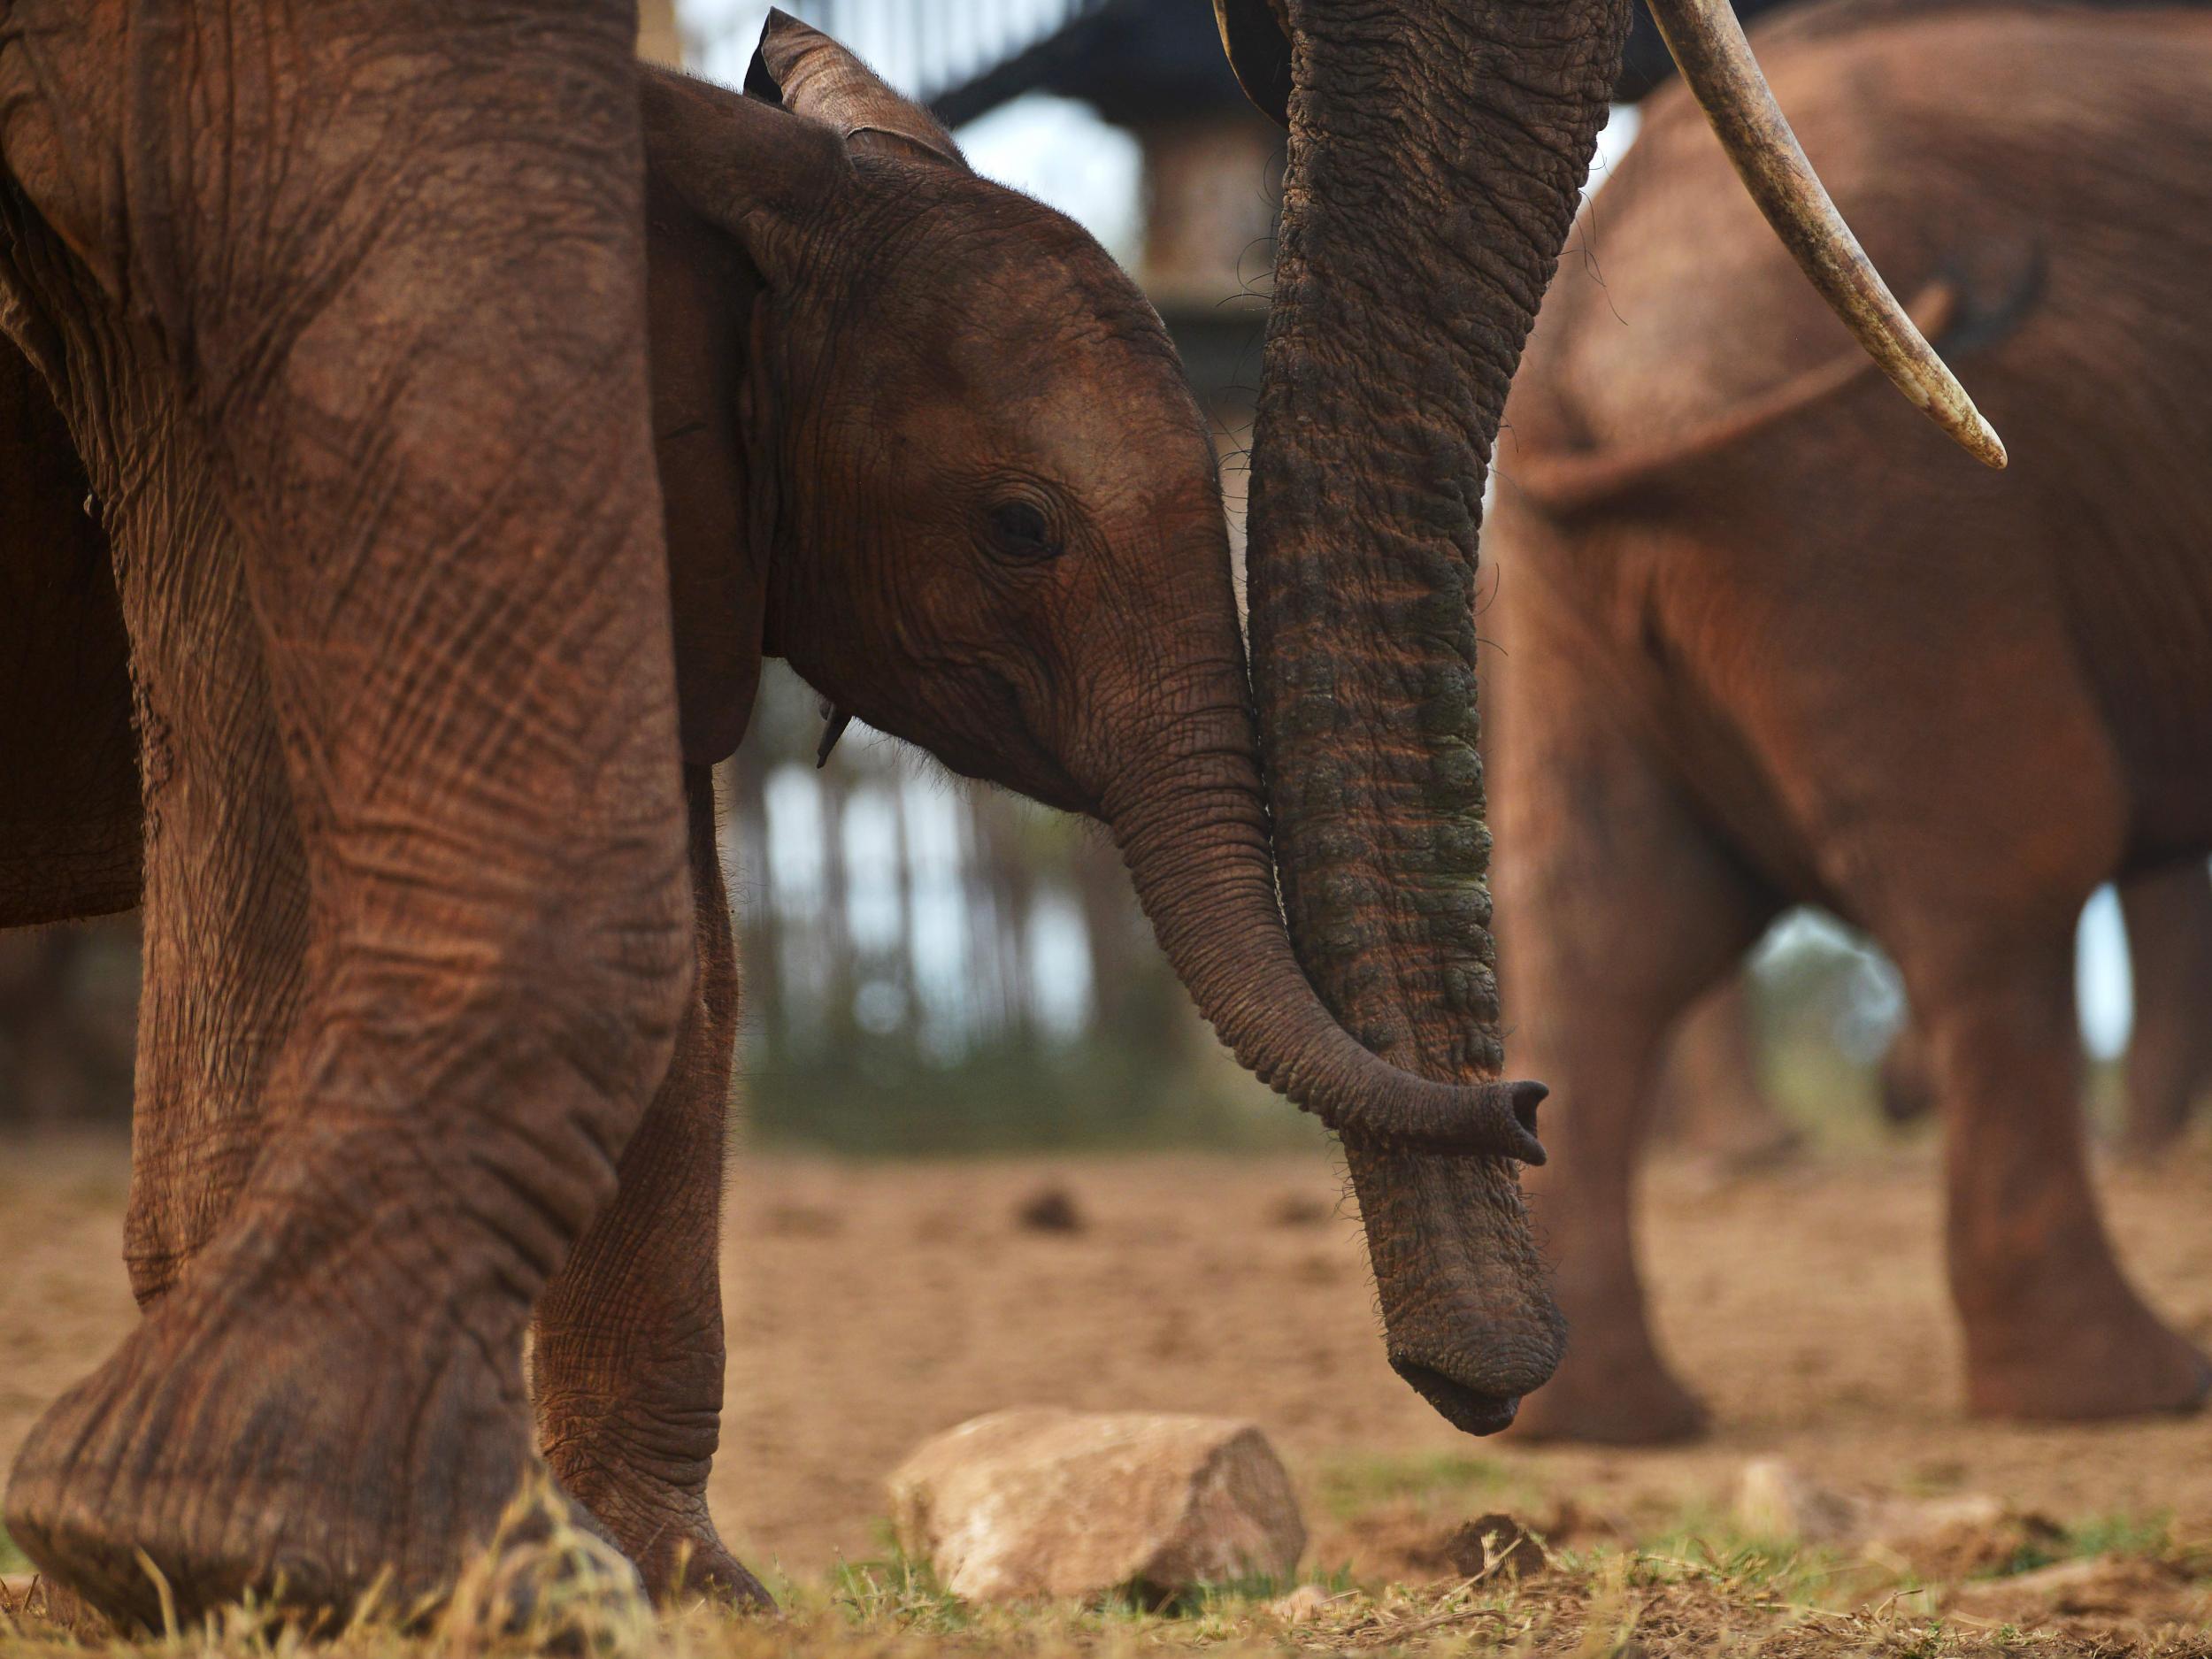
(1759, 648)
(397, 592)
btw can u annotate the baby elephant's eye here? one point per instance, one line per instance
(1020, 530)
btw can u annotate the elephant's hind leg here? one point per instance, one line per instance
(628, 1360)
(2053, 1330)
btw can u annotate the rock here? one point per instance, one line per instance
(2102, 1588)
(1050, 1210)
(1495, 1545)
(1047, 1502)
(1777, 1499)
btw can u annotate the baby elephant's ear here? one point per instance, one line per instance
(806, 72)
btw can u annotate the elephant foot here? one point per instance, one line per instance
(1615, 1394)
(229, 1448)
(670, 1537)
(2117, 1359)
(664, 1526)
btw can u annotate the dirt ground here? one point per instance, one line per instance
(870, 1306)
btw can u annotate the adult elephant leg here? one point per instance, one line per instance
(628, 1359)
(2053, 1330)
(417, 359)
(1615, 910)
(2170, 1057)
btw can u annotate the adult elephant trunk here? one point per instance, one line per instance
(1437, 151)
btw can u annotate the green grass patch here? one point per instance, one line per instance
(12, 1559)
(895, 1589)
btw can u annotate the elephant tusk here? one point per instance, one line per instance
(839, 719)
(1718, 68)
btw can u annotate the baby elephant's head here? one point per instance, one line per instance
(979, 504)
(921, 437)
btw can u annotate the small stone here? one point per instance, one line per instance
(1496, 1546)
(1047, 1502)
(1775, 1499)
(1050, 1210)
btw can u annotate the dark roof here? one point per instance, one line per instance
(1135, 61)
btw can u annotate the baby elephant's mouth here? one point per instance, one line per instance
(1466, 1409)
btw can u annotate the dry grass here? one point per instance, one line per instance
(2099, 1590)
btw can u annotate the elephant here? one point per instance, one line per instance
(392, 587)
(1758, 648)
